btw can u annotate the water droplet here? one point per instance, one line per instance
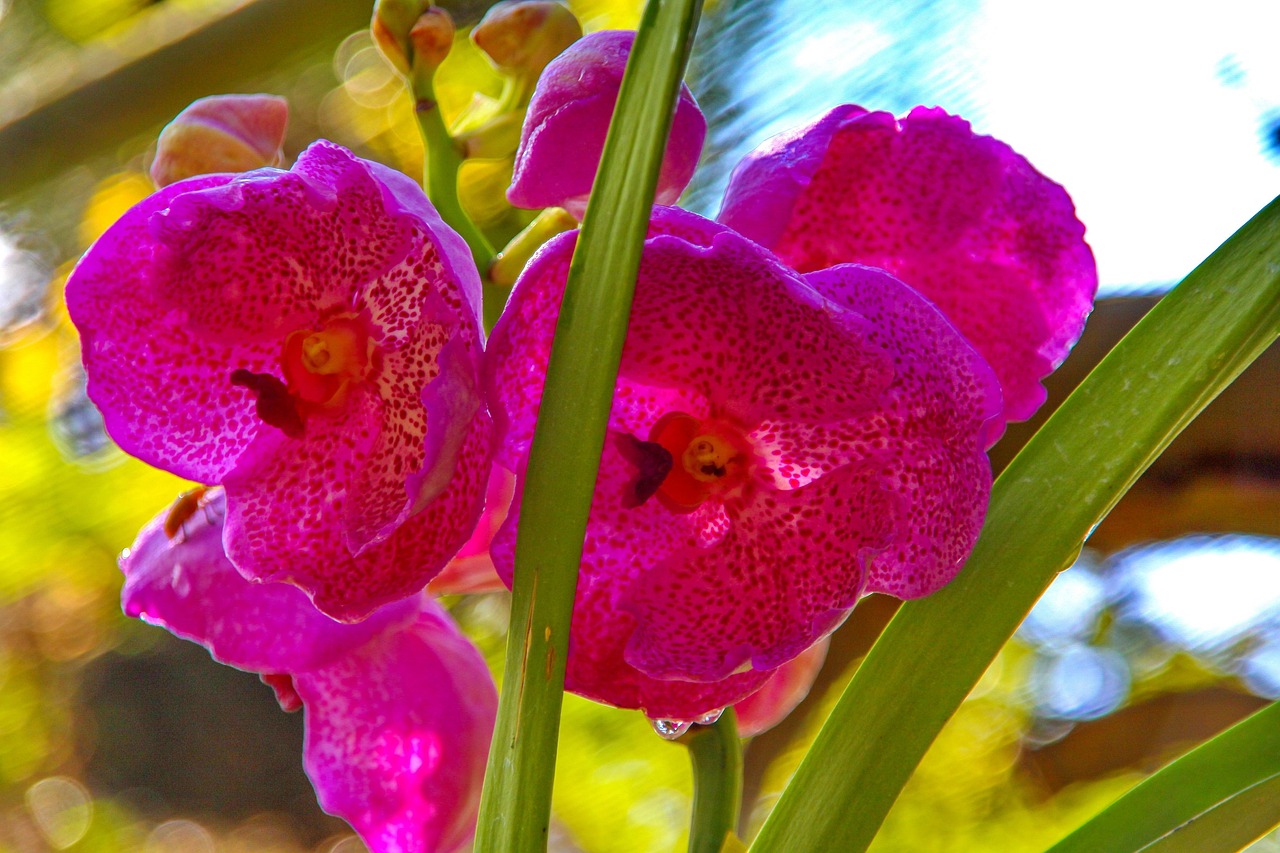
(670, 729)
(709, 718)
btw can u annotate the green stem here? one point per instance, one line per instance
(716, 753)
(515, 806)
(1063, 483)
(442, 159)
(1200, 788)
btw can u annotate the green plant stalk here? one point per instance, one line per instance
(442, 158)
(716, 753)
(1068, 477)
(516, 802)
(1217, 786)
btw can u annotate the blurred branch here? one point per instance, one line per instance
(56, 113)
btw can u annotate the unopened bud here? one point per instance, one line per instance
(432, 37)
(222, 133)
(392, 22)
(522, 36)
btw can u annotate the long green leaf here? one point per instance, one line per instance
(1183, 353)
(516, 804)
(1226, 789)
(1229, 827)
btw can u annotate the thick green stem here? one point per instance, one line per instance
(516, 804)
(716, 753)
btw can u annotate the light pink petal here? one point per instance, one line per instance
(962, 218)
(790, 567)
(780, 695)
(472, 570)
(398, 735)
(564, 129)
(221, 133)
(284, 501)
(186, 585)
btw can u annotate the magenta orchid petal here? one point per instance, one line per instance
(185, 584)
(399, 708)
(780, 695)
(310, 339)
(472, 570)
(158, 403)
(771, 451)
(960, 217)
(564, 129)
(278, 522)
(800, 557)
(398, 735)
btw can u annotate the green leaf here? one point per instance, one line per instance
(1221, 796)
(1073, 471)
(516, 803)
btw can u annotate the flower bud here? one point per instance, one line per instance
(522, 36)
(405, 30)
(432, 37)
(221, 133)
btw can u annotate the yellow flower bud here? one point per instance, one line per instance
(222, 133)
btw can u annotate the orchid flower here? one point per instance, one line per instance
(399, 708)
(309, 340)
(779, 446)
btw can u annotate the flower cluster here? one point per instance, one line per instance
(807, 392)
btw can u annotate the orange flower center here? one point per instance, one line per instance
(321, 366)
(709, 459)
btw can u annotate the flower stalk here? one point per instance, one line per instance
(716, 753)
(516, 803)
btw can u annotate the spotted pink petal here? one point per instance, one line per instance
(279, 521)
(780, 695)
(398, 735)
(564, 129)
(596, 667)
(399, 708)
(185, 584)
(960, 217)
(844, 470)
(186, 307)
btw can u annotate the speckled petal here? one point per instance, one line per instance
(780, 695)
(960, 217)
(280, 523)
(596, 667)
(564, 129)
(931, 434)
(186, 585)
(788, 570)
(164, 389)
(398, 735)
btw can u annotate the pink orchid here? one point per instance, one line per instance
(961, 218)
(308, 339)
(779, 445)
(780, 695)
(399, 708)
(564, 129)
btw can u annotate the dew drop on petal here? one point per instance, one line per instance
(709, 718)
(670, 729)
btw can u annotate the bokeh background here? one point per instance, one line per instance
(1162, 121)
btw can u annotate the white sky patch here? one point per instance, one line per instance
(1124, 103)
(1211, 593)
(839, 50)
